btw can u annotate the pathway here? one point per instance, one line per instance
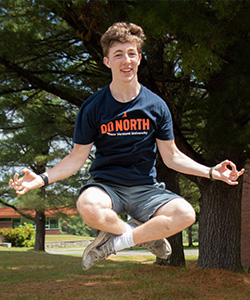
(79, 251)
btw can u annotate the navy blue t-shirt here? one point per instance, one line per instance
(124, 135)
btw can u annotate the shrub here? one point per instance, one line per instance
(20, 236)
(29, 243)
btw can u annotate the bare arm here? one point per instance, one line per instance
(70, 164)
(65, 168)
(178, 161)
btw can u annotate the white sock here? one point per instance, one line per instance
(124, 240)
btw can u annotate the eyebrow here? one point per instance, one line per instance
(117, 51)
(121, 51)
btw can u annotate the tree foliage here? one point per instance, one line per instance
(75, 225)
(195, 58)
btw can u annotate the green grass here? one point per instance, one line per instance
(64, 237)
(31, 275)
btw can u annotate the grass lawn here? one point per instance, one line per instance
(28, 275)
(64, 237)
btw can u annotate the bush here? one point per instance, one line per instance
(29, 243)
(20, 236)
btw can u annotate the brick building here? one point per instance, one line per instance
(245, 219)
(9, 218)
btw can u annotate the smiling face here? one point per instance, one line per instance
(123, 59)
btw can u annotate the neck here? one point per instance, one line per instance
(126, 92)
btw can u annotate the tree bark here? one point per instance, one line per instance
(190, 239)
(40, 222)
(177, 259)
(220, 226)
(40, 231)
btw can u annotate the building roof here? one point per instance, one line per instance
(8, 212)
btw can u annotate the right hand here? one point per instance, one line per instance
(29, 181)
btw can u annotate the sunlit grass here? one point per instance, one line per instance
(64, 237)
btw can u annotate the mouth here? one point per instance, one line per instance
(127, 71)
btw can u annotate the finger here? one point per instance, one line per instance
(12, 184)
(226, 162)
(26, 171)
(223, 164)
(22, 192)
(16, 187)
(232, 182)
(233, 166)
(241, 172)
(19, 188)
(236, 175)
(16, 177)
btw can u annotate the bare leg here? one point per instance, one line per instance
(168, 220)
(95, 207)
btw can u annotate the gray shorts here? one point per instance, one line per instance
(140, 202)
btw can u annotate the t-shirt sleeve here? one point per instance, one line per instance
(85, 128)
(165, 124)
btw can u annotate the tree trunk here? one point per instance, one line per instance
(190, 240)
(40, 231)
(220, 226)
(171, 179)
(40, 222)
(177, 259)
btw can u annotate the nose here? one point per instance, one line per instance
(126, 58)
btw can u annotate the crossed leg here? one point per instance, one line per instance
(168, 220)
(95, 207)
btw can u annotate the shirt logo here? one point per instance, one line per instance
(125, 126)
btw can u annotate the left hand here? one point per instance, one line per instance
(223, 173)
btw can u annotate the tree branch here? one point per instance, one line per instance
(39, 83)
(25, 215)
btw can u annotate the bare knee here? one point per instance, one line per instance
(180, 212)
(86, 209)
(185, 214)
(189, 216)
(91, 203)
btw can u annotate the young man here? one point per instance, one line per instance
(127, 122)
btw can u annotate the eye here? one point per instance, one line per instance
(132, 54)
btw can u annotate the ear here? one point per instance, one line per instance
(140, 56)
(106, 62)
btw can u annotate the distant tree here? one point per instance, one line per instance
(36, 134)
(36, 125)
(75, 225)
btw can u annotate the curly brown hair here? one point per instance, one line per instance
(122, 32)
